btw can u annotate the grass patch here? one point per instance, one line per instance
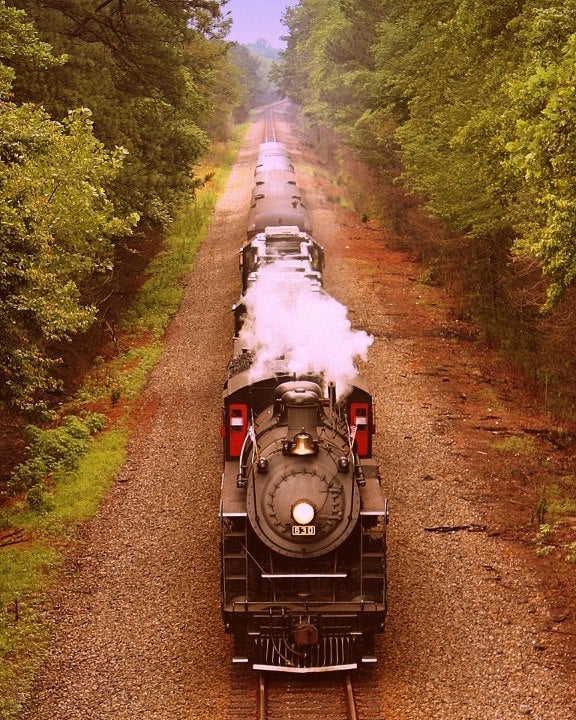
(311, 171)
(23, 635)
(28, 568)
(72, 465)
(430, 276)
(561, 498)
(555, 510)
(557, 501)
(121, 378)
(517, 445)
(74, 496)
(556, 517)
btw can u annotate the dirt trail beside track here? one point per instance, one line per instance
(478, 627)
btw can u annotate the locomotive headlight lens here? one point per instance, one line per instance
(303, 512)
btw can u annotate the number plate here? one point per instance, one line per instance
(303, 530)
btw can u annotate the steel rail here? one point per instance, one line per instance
(350, 701)
(352, 715)
(262, 707)
(270, 127)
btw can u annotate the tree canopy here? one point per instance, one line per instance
(253, 65)
(105, 107)
(150, 74)
(478, 98)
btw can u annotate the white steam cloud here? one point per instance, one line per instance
(290, 318)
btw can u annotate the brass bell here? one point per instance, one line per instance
(303, 444)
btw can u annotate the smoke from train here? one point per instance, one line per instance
(287, 317)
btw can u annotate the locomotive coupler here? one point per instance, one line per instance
(305, 633)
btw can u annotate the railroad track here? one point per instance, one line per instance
(269, 127)
(329, 696)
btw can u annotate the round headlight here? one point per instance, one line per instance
(303, 512)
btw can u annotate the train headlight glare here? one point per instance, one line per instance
(303, 512)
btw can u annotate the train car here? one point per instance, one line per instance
(280, 244)
(303, 524)
(273, 178)
(273, 155)
(277, 203)
(276, 198)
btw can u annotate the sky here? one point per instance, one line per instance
(255, 19)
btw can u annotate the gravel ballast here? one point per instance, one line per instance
(137, 627)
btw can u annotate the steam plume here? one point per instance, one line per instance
(289, 317)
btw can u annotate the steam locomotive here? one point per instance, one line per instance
(303, 515)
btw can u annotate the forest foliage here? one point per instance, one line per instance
(106, 107)
(253, 63)
(476, 103)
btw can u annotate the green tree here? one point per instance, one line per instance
(253, 70)
(474, 104)
(303, 73)
(150, 73)
(328, 66)
(542, 148)
(56, 222)
(18, 39)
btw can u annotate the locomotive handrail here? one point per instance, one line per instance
(251, 556)
(250, 435)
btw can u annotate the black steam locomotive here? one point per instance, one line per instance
(303, 584)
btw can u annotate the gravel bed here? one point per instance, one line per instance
(137, 629)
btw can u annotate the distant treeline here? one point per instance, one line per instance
(106, 106)
(474, 104)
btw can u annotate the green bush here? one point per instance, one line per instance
(38, 500)
(55, 450)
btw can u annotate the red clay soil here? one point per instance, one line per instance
(485, 402)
